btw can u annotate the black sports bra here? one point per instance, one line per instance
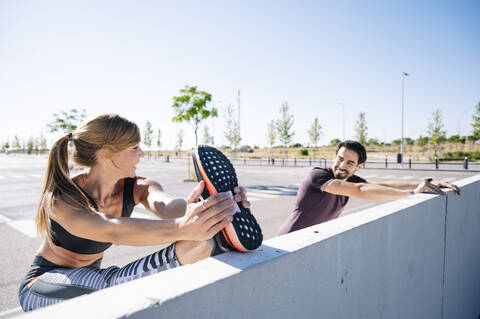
(61, 237)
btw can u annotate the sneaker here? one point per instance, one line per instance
(213, 167)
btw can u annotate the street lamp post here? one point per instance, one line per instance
(343, 119)
(404, 74)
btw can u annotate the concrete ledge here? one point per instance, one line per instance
(412, 258)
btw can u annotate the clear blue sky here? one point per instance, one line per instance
(132, 57)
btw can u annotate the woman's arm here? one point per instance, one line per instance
(200, 222)
(154, 199)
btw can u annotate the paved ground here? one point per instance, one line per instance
(271, 190)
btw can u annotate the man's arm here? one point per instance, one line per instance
(397, 184)
(374, 191)
(364, 190)
(435, 185)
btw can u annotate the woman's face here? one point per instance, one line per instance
(125, 162)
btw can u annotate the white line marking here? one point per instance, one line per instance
(449, 179)
(11, 311)
(387, 177)
(406, 177)
(36, 175)
(26, 227)
(4, 219)
(252, 199)
(260, 194)
(370, 176)
(3, 177)
(18, 176)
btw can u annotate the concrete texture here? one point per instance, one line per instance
(412, 258)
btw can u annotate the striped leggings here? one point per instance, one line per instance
(47, 283)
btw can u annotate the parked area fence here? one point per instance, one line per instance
(412, 258)
(437, 164)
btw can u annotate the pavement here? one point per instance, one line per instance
(271, 190)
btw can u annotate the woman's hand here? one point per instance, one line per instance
(204, 219)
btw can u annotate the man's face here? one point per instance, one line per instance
(345, 163)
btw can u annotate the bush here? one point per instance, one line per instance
(303, 151)
(461, 155)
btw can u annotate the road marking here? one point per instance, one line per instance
(18, 176)
(260, 194)
(37, 175)
(26, 227)
(11, 311)
(2, 177)
(370, 176)
(4, 219)
(406, 177)
(387, 177)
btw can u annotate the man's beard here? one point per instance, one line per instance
(338, 176)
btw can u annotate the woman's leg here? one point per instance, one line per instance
(64, 283)
(189, 252)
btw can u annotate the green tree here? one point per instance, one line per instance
(207, 138)
(42, 142)
(16, 143)
(67, 122)
(148, 135)
(6, 146)
(159, 139)
(373, 141)
(284, 127)
(179, 145)
(191, 106)
(30, 145)
(315, 133)
(232, 128)
(476, 121)
(361, 128)
(271, 135)
(435, 130)
(335, 142)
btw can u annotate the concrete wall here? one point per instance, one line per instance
(412, 258)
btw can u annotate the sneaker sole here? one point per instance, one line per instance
(213, 167)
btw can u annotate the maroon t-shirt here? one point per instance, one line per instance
(313, 205)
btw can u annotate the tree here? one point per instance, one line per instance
(42, 142)
(361, 128)
(148, 135)
(191, 106)
(67, 121)
(232, 128)
(335, 142)
(373, 141)
(16, 143)
(476, 121)
(159, 139)
(179, 142)
(315, 133)
(422, 141)
(435, 130)
(30, 145)
(6, 146)
(206, 139)
(284, 126)
(271, 135)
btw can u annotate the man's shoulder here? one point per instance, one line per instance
(356, 179)
(320, 172)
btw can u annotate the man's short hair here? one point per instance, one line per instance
(356, 147)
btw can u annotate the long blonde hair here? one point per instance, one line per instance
(108, 131)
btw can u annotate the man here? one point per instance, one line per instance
(324, 192)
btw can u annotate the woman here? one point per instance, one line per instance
(82, 216)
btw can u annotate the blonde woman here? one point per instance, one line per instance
(81, 216)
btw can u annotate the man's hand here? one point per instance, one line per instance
(435, 187)
(441, 184)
